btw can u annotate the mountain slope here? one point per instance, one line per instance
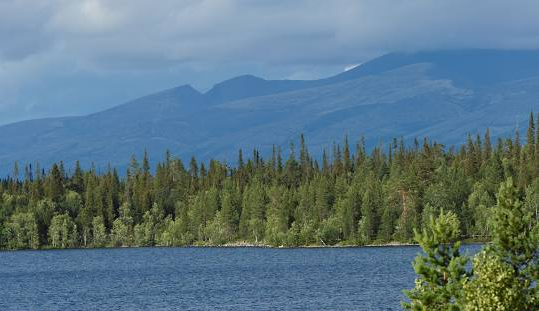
(440, 94)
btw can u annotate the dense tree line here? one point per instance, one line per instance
(348, 197)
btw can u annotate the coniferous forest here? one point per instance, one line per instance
(348, 197)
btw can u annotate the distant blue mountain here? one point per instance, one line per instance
(440, 94)
(250, 86)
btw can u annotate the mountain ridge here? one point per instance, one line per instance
(443, 94)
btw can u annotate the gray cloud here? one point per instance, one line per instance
(69, 57)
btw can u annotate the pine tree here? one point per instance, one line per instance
(15, 178)
(252, 215)
(228, 217)
(347, 165)
(89, 210)
(304, 160)
(77, 180)
(54, 185)
(487, 147)
(371, 202)
(441, 271)
(530, 136)
(324, 199)
(516, 243)
(277, 216)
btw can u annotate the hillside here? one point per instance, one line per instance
(440, 94)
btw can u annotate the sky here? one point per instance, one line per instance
(64, 57)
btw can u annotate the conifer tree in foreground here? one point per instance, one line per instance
(504, 274)
(507, 271)
(441, 271)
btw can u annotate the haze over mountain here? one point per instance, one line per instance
(440, 94)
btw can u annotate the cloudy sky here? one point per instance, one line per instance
(64, 57)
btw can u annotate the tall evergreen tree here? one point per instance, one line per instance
(441, 271)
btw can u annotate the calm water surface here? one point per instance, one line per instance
(207, 279)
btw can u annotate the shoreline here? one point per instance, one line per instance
(246, 245)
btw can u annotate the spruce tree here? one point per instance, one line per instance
(370, 210)
(54, 185)
(441, 270)
(516, 242)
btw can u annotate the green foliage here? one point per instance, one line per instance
(441, 269)
(307, 234)
(370, 218)
(63, 232)
(531, 201)
(347, 210)
(147, 232)
(504, 275)
(122, 228)
(21, 231)
(73, 203)
(293, 236)
(223, 227)
(252, 222)
(479, 205)
(329, 232)
(349, 197)
(100, 236)
(516, 243)
(493, 287)
(43, 213)
(174, 233)
(277, 216)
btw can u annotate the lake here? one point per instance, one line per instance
(368, 278)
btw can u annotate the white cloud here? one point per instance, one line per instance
(84, 17)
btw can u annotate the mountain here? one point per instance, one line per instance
(440, 94)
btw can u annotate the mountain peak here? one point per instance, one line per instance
(241, 78)
(186, 88)
(235, 88)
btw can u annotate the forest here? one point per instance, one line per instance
(348, 197)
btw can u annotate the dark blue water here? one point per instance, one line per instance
(207, 279)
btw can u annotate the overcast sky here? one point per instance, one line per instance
(64, 57)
